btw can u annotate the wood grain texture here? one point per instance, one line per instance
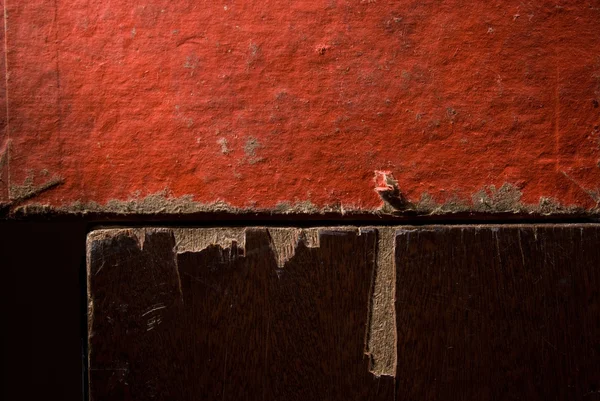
(229, 324)
(498, 313)
(482, 313)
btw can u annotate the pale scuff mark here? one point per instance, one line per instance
(4, 155)
(198, 239)
(153, 322)
(593, 194)
(28, 190)
(250, 149)
(224, 146)
(139, 234)
(155, 318)
(108, 233)
(311, 237)
(381, 328)
(507, 198)
(284, 242)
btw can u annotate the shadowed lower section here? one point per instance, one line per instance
(498, 312)
(230, 323)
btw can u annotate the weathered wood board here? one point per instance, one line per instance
(498, 313)
(481, 312)
(161, 106)
(228, 324)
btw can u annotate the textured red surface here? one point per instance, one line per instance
(3, 121)
(260, 102)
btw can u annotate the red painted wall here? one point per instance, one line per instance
(255, 103)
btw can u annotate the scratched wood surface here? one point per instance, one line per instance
(498, 313)
(221, 324)
(482, 313)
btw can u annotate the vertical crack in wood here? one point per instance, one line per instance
(381, 331)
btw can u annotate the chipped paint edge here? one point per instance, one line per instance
(488, 200)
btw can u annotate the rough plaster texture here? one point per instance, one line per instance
(278, 106)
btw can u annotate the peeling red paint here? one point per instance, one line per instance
(382, 181)
(122, 99)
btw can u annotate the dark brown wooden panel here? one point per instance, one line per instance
(220, 324)
(498, 313)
